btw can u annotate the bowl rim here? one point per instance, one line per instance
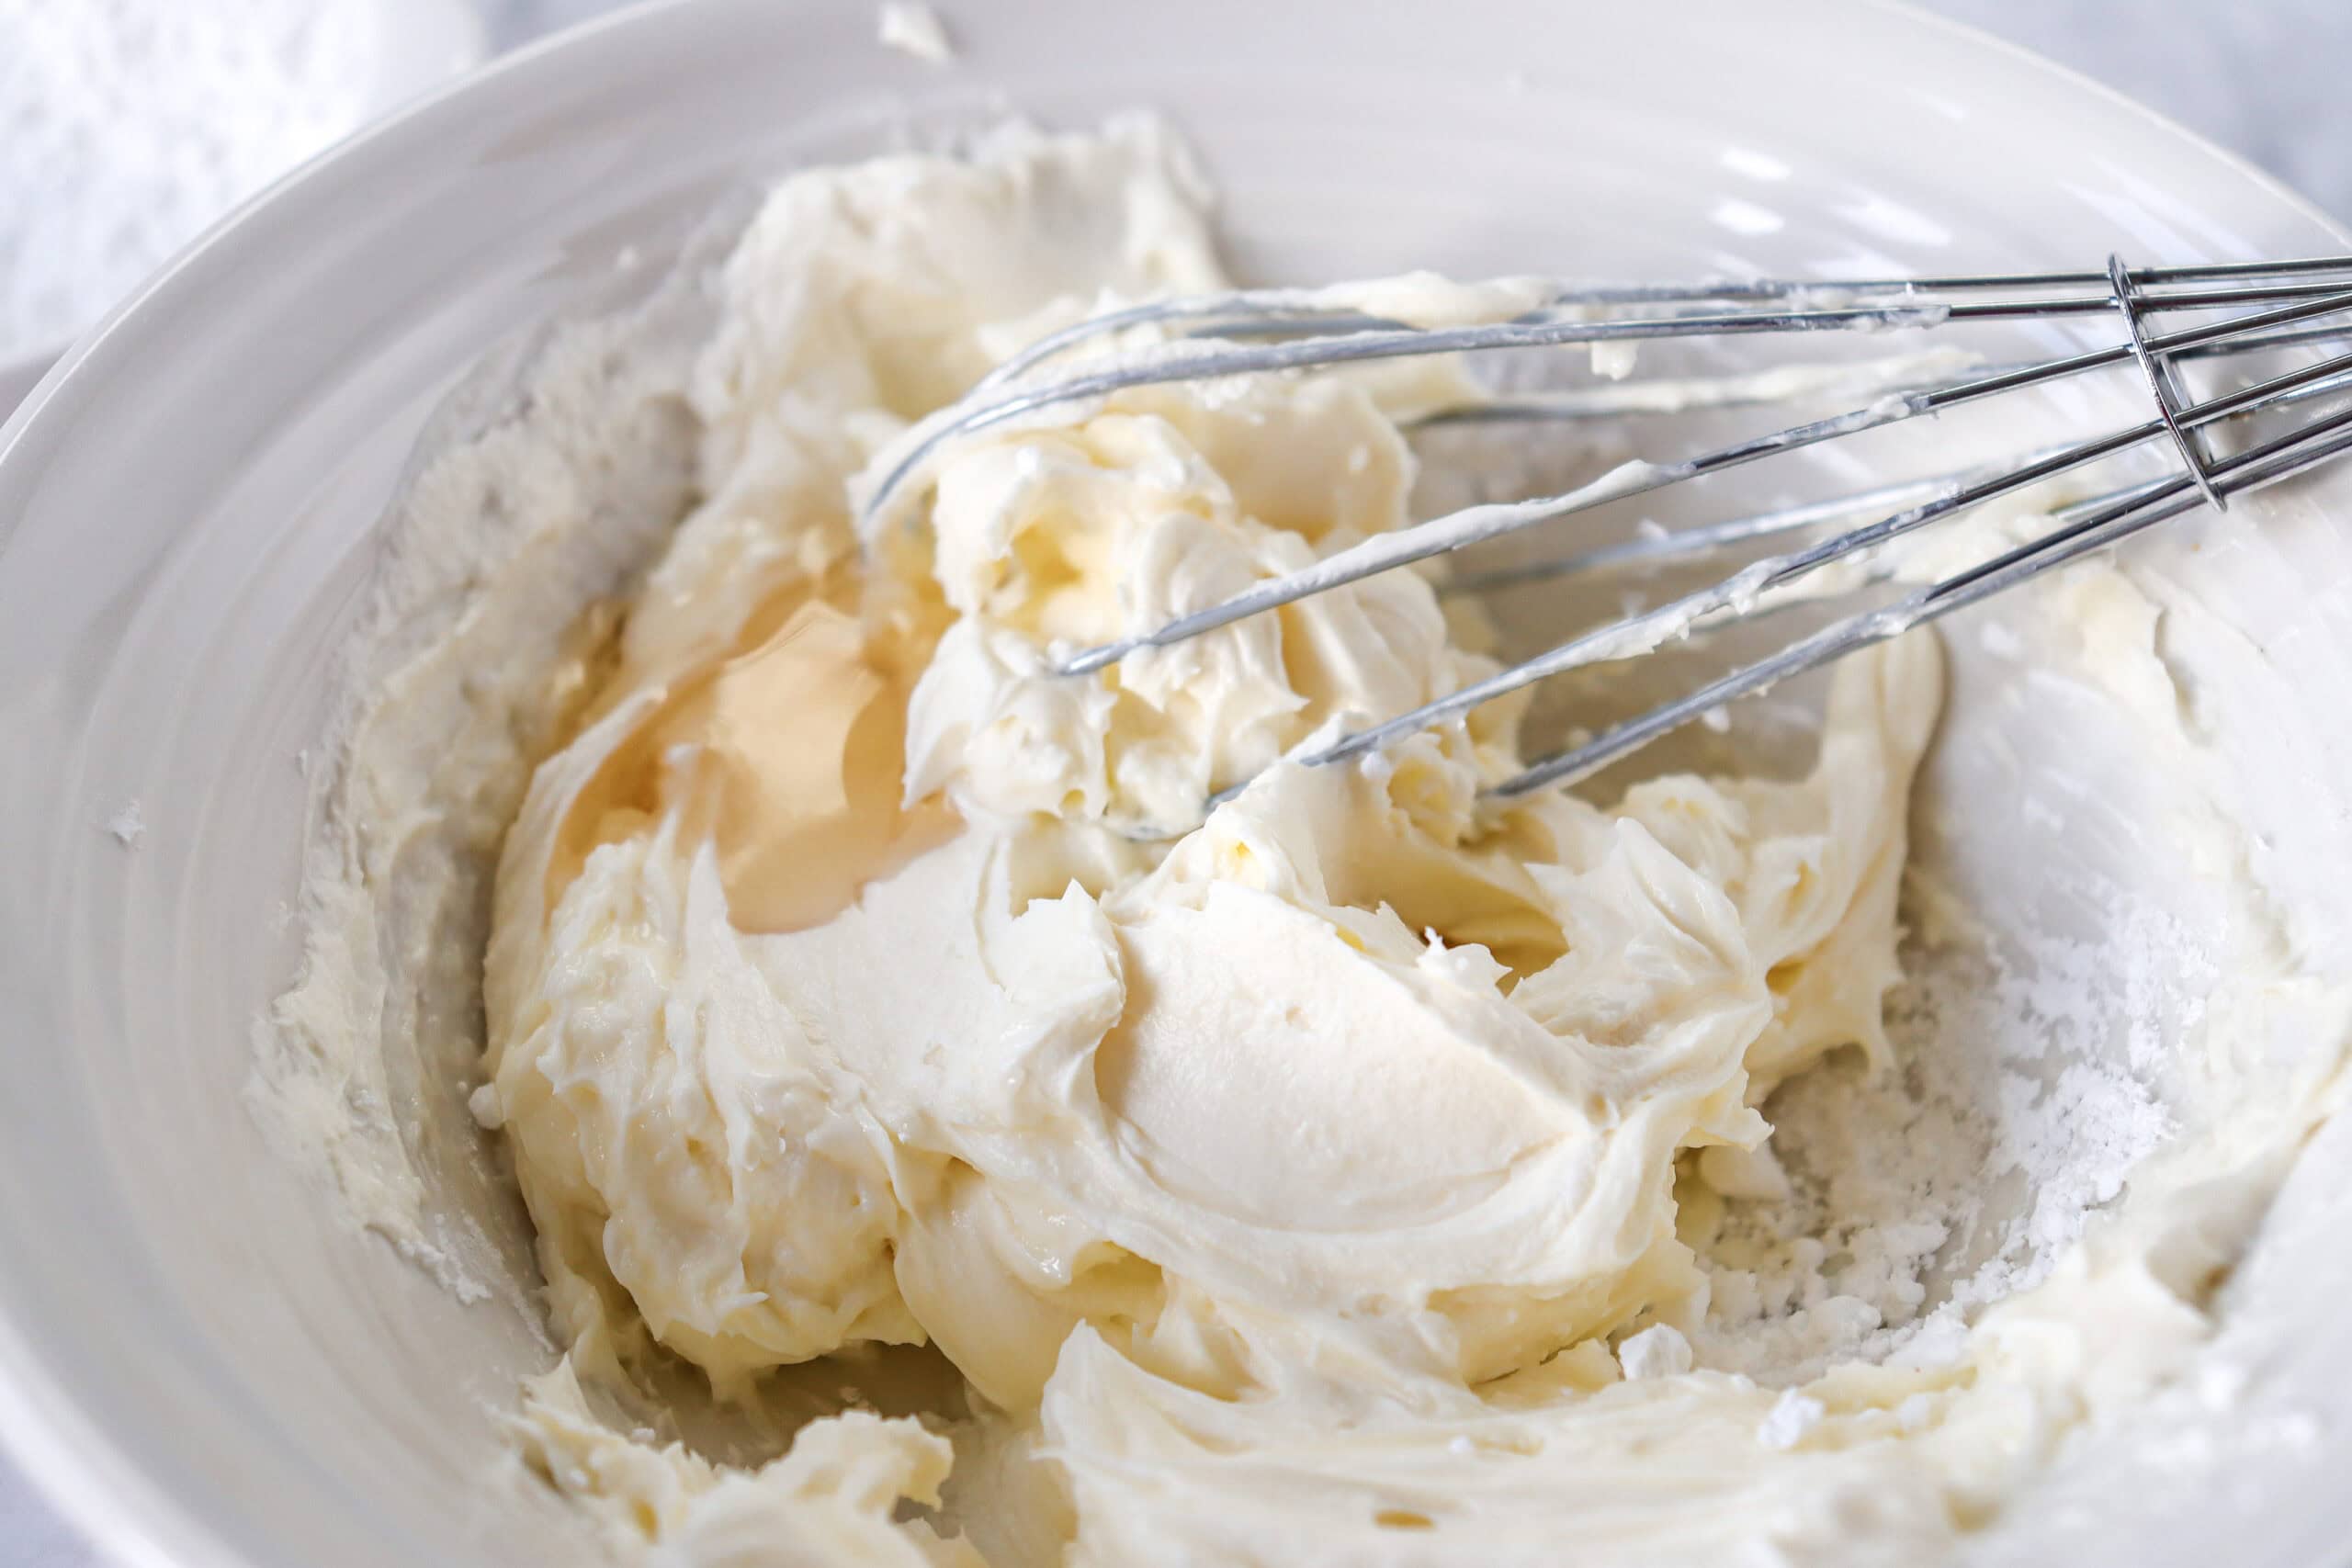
(82, 1472)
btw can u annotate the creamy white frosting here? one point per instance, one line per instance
(1302, 1187)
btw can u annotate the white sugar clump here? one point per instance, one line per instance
(1657, 1352)
(913, 29)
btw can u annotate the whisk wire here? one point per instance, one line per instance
(2163, 382)
(2254, 469)
(984, 410)
(2270, 306)
(1642, 633)
(1478, 525)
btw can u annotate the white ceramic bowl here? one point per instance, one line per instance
(200, 1360)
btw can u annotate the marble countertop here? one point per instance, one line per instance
(2264, 78)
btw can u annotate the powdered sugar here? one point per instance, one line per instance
(127, 126)
(914, 28)
(1919, 1198)
(1657, 1352)
(128, 824)
(1792, 1416)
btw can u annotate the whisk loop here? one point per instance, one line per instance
(2272, 306)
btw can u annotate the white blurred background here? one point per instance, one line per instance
(127, 125)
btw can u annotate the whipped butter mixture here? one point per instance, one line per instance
(1321, 1181)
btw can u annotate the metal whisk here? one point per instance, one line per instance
(2271, 306)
